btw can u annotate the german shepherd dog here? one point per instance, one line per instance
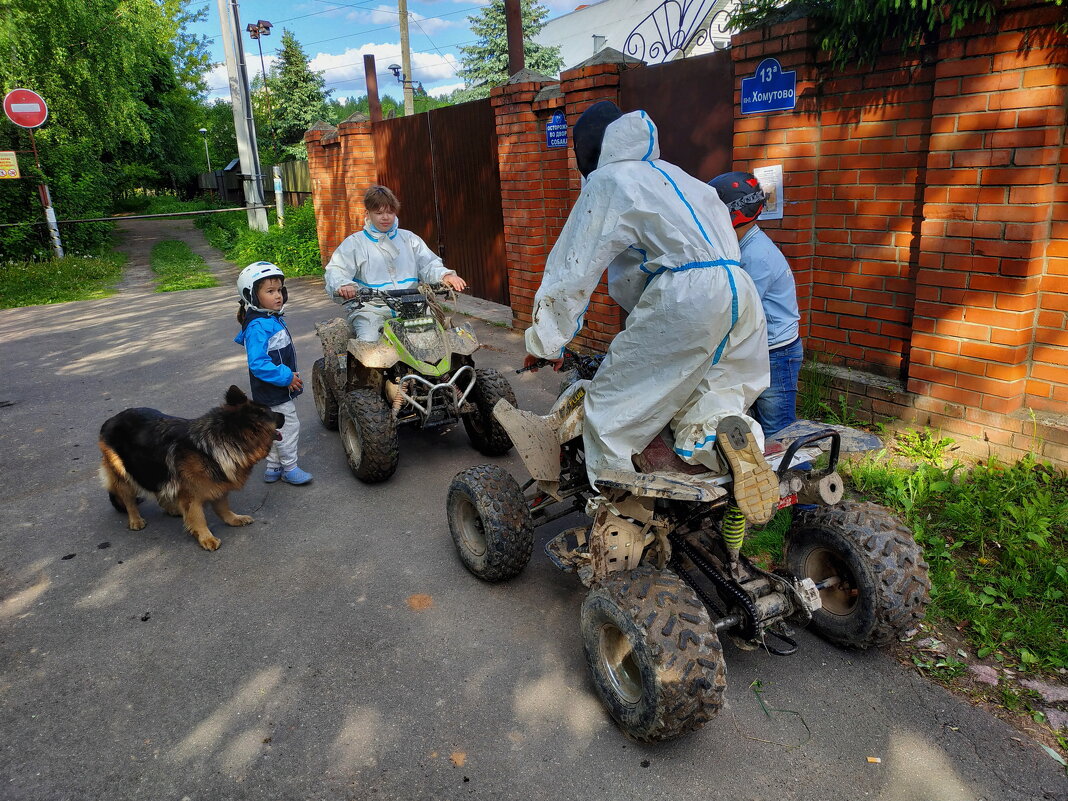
(186, 463)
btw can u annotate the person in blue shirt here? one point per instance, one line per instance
(272, 362)
(776, 407)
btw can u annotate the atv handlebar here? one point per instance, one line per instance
(584, 364)
(397, 297)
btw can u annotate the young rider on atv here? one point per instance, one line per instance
(382, 256)
(694, 350)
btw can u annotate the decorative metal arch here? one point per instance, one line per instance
(675, 27)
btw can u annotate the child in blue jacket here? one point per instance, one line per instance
(272, 362)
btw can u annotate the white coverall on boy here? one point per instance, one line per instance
(373, 259)
(694, 348)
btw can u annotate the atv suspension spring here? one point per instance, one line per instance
(733, 529)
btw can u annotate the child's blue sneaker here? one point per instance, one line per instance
(295, 475)
(272, 474)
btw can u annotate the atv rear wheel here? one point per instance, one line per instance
(653, 654)
(369, 436)
(486, 434)
(325, 402)
(490, 522)
(882, 586)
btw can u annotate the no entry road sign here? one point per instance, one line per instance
(25, 108)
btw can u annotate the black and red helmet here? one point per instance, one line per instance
(742, 193)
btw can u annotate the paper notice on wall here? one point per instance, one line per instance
(771, 182)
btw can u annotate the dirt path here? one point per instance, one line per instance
(137, 239)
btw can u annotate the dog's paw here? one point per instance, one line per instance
(138, 524)
(239, 520)
(209, 542)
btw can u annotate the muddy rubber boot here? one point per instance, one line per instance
(756, 487)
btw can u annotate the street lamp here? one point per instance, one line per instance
(402, 79)
(204, 132)
(257, 30)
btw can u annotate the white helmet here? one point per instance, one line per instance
(252, 275)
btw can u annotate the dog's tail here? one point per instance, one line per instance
(112, 467)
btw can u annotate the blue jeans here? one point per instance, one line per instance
(776, 407)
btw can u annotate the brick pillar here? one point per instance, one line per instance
(583, 86)
(341, 162)
(522, 159)
(790, 138)
(996, 135)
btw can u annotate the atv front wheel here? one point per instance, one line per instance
(325, 402)
(653, 654)
(878, 587)
(369, 436)
(490, 522)
(486, 434)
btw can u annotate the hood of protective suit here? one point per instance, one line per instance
(633, 137)
(589, 134)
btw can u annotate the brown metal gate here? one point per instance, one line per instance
(443, 166)
(692, 103)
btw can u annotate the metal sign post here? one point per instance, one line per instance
(278, 204)
(27, 109)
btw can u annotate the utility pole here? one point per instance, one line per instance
(244, 124)
(406, 59)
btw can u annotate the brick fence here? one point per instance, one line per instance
(926, 216)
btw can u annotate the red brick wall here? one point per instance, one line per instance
(925, 215)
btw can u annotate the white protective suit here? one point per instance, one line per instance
(396, 259)
(694, 348)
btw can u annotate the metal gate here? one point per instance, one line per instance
(692, 103)
(443, 166)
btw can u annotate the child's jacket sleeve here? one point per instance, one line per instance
(259, 342)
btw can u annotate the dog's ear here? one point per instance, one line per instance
(235, 397)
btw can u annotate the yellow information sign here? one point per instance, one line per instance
(9, 165)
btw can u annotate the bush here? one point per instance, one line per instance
(294, 248)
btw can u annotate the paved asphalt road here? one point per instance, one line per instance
(294, 663)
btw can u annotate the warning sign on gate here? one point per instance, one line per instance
(9, 164)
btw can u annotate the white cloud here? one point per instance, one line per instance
(427, 67)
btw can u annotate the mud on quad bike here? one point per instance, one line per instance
(662, 558)
(420, 372)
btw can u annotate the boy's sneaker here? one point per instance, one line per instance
(272, 474)
(295, 475)
(756, 487)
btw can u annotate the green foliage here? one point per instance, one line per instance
(120, 78)
(996, 537)
(298, 99)
(294, 248)
(923, 446)
(179, 267)
(35, 283)
(857, 32)
(485, 63)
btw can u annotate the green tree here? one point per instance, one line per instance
(298, 98)
(121, 78)
(485, 63)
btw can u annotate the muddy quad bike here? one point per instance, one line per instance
(420, 372)
(662, 558)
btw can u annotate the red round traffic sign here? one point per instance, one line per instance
(25, 108)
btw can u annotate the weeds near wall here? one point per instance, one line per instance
(294, 248)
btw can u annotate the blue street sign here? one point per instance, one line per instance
(556, 131)
(770, 89)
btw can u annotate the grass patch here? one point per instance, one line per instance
(996, 538)
(179, 267)
(36, 283)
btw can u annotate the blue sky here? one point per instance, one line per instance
(337, 35)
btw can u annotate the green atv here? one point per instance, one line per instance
(420, 372)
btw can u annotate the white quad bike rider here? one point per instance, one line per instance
(693, 354)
